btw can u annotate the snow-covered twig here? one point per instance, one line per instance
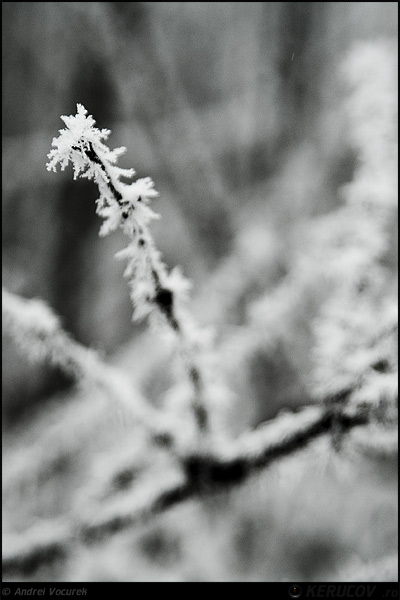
(155, 293)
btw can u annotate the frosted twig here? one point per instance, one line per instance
(155, 293)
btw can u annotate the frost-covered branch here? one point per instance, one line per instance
(200, 473)
(342, 287)
(38, 333)
(104, 390)
(356, 332)
(155, 293)
(228, 464)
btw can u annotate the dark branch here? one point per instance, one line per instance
(203, 473)
(93, 157)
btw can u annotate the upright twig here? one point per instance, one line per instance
(155, 293)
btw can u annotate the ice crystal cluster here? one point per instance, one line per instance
(121, 205)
